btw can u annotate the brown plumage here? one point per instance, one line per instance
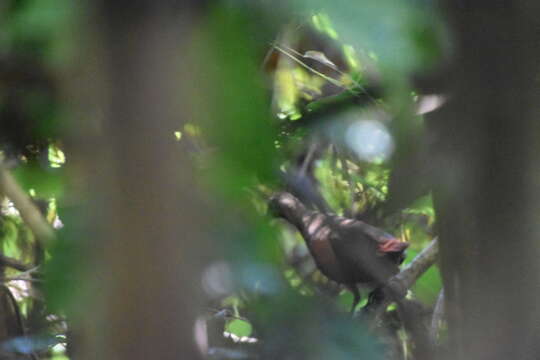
(347, 251)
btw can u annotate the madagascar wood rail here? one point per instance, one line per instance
(347, 251)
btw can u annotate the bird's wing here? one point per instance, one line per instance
(361, 250)
(393, 245)
(356, 253)
(387, 242)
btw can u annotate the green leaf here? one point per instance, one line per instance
(239, 327)
(68, 261)
(235, 118)
(394, 30)
(46, 183)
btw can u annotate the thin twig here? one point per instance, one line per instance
(301, 63)
(21, 278)
(345, 167)
(308, 158)
(290, 51)
(334, 166)
(225, 313)
(14, 263)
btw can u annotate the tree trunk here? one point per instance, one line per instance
(141, 189)
(487, 191)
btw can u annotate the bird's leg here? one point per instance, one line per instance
(356, 296)
(375, 298)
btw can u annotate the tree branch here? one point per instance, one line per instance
(423, 261)
(397, 286)
(438, 314)
(30, 213)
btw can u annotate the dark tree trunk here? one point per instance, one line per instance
(140, 183)
(487, 191)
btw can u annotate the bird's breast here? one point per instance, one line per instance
(326, 259)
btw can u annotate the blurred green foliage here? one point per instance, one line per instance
(401, 35)
(392, 40)
(40, 28)
(36, 50)
(239, 327)
(261, 94)
(238, 122)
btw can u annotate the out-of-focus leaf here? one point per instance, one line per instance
(423, 205)
(45, 182)
(345, 300)
(397, 31)
(43, 22)
(323, 23)
(57, 158)
(239, 327)
(29, 344)
(245, 238)
(59, 357)
(301, 327)
(67, 263)
(9, 235)
(428, 286)
(237, 118)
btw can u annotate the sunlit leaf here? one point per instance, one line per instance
(392, 29)
(239, 327)
(45, 182)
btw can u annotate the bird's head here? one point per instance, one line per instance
(284, 205)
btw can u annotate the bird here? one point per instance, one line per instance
(347, 251)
